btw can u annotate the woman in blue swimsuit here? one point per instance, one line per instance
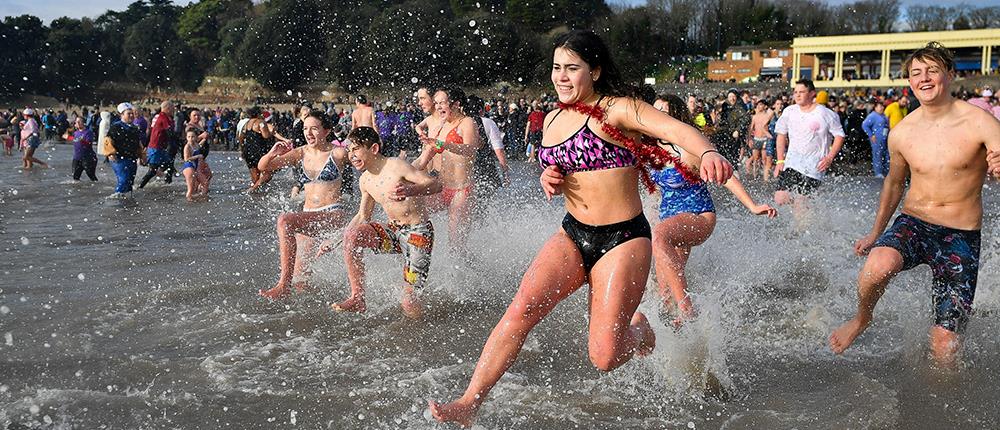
(322, 164)
(687, 216)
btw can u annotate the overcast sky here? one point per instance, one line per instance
(48, 10)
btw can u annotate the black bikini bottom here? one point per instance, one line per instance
(594, 241)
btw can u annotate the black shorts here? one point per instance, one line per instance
(795, 182)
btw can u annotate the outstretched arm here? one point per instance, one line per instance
(639, 116)
(735, 186)
(280, 155)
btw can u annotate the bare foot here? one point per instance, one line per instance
(280, 291)
(687, 313)
(456, 412)
(412, 307)
(300, 286)
(647, 339)
(844, 336)
(190, 198)
(352, 304)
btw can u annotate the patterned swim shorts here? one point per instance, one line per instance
(953, 256)
(414, 241)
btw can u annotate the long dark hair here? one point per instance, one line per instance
(592, 49)
(677, 108)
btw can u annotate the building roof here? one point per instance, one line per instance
(896, 41)
(777, 44)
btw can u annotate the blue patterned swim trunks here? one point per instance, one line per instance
(953, 256)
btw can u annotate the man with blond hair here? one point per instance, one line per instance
(942, 148)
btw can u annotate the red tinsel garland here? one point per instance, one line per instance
(646, 151)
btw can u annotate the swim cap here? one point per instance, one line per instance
(122, 107)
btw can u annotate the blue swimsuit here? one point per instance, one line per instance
(680, 196)
(193, 164)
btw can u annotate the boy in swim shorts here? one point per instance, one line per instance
(943, 209)
(400, 189)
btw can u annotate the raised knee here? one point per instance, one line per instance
(604, 360)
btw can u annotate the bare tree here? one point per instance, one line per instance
(871, 16)
(985, 17)
(930, 18)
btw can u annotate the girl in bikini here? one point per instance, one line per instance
(591, 152)
(322, 164)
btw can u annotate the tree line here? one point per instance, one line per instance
(392, 43)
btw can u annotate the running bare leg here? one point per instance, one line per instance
(673, 239)
(556, 272)
(617, 282)
(356, 240)
(289, 224)
(882, 265)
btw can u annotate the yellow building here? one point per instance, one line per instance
(875, 60)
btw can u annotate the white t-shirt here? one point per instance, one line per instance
(493, 133)
(809, 137)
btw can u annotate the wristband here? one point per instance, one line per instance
(779, 162)
(707, 151)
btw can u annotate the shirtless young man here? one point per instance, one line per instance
(399, 188)
(759, 136)
(942, 148)
(363, 115)
(450, 149)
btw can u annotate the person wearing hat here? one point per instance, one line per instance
(124, 147)
(30, 139)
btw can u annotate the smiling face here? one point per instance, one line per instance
(128, 116)
(78, 124)
(314, 132)
(572, 77)
(928, 80)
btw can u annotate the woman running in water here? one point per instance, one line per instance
(605, 238)
(687, 215)
(322, 164)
